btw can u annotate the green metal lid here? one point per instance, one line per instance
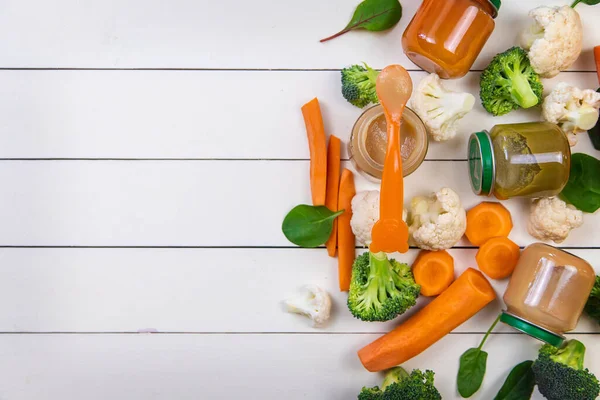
(481, 163)
(496, 4)
(532, 330)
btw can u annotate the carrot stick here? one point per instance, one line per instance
(597, 59)
(498, 257)
(333, 187)
(434, 271)
(462, 300)
(317, 144)
(346, 241)
(487, 220)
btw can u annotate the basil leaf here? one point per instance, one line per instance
(373, 15)
(583, 188)
(471, 371)
(309, 226)
(588, 2)
(519, 383)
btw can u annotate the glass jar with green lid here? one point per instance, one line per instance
(519, 160)
(547, 292)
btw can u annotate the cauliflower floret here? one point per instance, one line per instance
(439, 108)
(438, 221)
(554, 40)
(575, 110)
(365, 212)
(553, 219)
(313, 302)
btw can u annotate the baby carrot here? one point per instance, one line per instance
(462, 300)
(333, 183)
(317, 144)
(346, 240)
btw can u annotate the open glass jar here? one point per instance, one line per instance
(446, 36)
(519, 160)
(547, 293)
(368, 142)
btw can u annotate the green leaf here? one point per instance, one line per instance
(519, 383)
(309, 226)
(373, 15)
(583, 188)
(471, 371)
(588, 2)
(472, 366)
(592, 307)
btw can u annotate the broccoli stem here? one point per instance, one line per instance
(379, 273)
(378, 270)
(571, 355)
(521, 90)
(488, 332)
(394, 375)
(371, 73)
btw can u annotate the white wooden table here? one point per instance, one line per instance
(149, 151)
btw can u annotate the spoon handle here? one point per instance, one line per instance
(392, 188)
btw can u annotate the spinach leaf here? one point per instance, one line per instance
(588, 2)
(309, 226)
(583, 188)
(472, 367)
(519, 384)
(592, 307)
(373, 15)
(471, 371)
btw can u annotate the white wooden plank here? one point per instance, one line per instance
(190, 290)
(180, 114)
(198, 114)
(225, 34)
(183, 203)
(319, 367)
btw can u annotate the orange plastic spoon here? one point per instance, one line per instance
(390, 233)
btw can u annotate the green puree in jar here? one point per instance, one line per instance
(531, 160)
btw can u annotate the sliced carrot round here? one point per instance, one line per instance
(498, 257)
(487, 220)
(434, 271)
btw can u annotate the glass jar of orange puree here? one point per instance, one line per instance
(368, 142)
(547, 293)
(446, 36)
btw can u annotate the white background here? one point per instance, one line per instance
(149, 152)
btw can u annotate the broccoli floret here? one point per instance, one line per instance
(381, 289)
(358, 85)
(509, 82)
(592, 308)
(373, 393)
(560, 375)
(416, 386)
(399, 385)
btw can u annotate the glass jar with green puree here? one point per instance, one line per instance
(519, 160)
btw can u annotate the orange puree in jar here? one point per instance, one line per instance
(446, 36)
(547, 292)
(376, 139)
(368, 142)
